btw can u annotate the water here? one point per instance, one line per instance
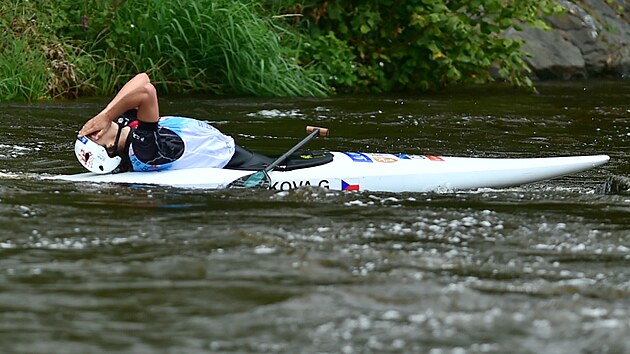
(134, 269)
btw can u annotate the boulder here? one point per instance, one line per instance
(591, 39)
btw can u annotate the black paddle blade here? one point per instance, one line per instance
(258, 179)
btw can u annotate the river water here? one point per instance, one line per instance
(541, 268)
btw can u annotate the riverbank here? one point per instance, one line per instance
(253, 47)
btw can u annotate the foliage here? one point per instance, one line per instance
(417, 44)
(93, 47)
(220, 46)
(34, 61)
(66, 48)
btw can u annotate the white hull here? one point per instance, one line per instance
(375, 172)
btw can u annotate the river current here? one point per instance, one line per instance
(540, 268)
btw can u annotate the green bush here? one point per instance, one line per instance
(67, 48)
(392, 45)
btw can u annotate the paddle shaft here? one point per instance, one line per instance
(315, 132)
(261, 178)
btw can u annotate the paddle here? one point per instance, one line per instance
(261, 179)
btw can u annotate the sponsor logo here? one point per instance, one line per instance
(83, 139)
(421, 157)
(288, 185)
(204, 125)
(136, 136)
(358, 157)
(345, 186)
(311, 156)
(382, 158)
(403, 156)
(86, 158)
(434, 158)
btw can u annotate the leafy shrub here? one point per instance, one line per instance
(417, 44)
(66, 48)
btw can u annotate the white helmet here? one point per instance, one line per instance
(94, 157)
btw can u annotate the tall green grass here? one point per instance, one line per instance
(219, 46)
(23, 72)
(34, 62)
(226, 46)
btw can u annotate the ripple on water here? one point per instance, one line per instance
(541, 268)
(14, 151)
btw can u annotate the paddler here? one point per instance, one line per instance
(130, 135)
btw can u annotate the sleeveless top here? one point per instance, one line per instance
(178, 143)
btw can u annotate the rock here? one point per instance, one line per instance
(553, 55)
(591, 39)
(616, 185)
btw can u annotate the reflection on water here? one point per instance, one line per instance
(88, 268)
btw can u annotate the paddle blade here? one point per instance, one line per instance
(258, 179)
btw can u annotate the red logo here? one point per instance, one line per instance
(434, 158)
(86, 158)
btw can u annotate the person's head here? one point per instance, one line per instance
(95, 157)
(102, 156)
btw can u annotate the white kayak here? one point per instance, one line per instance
(373, 172)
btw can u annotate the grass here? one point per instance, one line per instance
(23, 71)
(218, 46)
(224, 45)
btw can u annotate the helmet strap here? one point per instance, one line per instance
(120, 128)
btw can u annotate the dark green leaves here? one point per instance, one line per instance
(418, 44)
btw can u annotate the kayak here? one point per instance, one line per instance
(356, 171)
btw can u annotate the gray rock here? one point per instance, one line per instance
(553, 56)
(592, 39)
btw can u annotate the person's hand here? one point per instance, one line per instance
(96, 127)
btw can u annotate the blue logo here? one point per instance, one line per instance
(83, 139)
(358, 157)
(402, 156)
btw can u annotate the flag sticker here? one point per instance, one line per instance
(345, 186)
(358, 157)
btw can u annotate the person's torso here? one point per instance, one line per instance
(180, 143)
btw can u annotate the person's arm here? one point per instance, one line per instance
(137, 93)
